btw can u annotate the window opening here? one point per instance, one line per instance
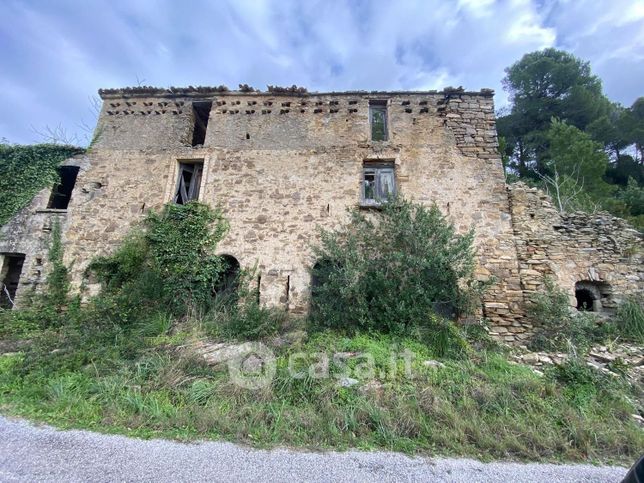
(10, 278)
(201, 114)
(188, 182)
(378, 120)
(61, 194)
(378, 183)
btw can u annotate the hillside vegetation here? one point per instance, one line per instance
(132, 359)
(563, 134)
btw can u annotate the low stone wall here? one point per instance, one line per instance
(587, 251)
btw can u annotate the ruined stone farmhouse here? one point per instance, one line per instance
(285, 162)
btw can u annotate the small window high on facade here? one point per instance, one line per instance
(201, 114)
(61, 194)
(378, 120)
(188, 182)
(378, 183)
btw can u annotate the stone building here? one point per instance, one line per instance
(285, 162)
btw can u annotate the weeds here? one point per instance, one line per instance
(394, 270)
(558, 327)
(630, 320)
(115, 365)
(486, 409)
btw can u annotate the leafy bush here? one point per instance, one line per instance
(393, 269)
(25, 170)
(170, 262)
(630, 320)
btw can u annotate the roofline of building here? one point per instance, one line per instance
(200, 92)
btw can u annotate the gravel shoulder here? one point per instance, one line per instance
(42, 453)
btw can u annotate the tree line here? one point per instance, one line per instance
(562, 134)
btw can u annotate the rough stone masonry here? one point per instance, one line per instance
(283, 163)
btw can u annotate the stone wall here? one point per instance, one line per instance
(29, 233)
(282, 166)
(592, 250)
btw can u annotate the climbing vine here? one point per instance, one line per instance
(25, 170)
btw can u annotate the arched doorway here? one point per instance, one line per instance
(228, 282)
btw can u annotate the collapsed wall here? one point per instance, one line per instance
(596, 258)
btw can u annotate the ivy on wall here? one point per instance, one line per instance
(25, 170)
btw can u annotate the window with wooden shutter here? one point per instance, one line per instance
(378, 183)
(188, 182)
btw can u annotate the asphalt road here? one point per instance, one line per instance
(40, 453)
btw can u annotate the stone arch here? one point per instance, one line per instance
(592, 296)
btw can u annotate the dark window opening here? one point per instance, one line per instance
(228, 282)
(585, 300)
(201, 114)
(378, 183)
(446, 310)
(188, 182)
(378, 120)
(61, 194)
(259, 288)
(288, 290)
(593, 296)
(10, 275)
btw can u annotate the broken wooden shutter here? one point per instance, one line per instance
(188, 182)
(386, 184)
(195, 182)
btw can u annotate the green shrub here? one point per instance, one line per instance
(57, 293)
(630, 320)
(392, 269)
(171, 262)
(549, 306)
(182, 240)
(557, 326)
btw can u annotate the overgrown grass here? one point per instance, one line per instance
(123, 363)
(559, 328)
(136, 382)
(630, 320)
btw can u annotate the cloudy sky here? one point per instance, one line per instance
(57, 53)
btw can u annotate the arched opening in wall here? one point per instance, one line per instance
(592, 296)
(228, 282)
(446, 310)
